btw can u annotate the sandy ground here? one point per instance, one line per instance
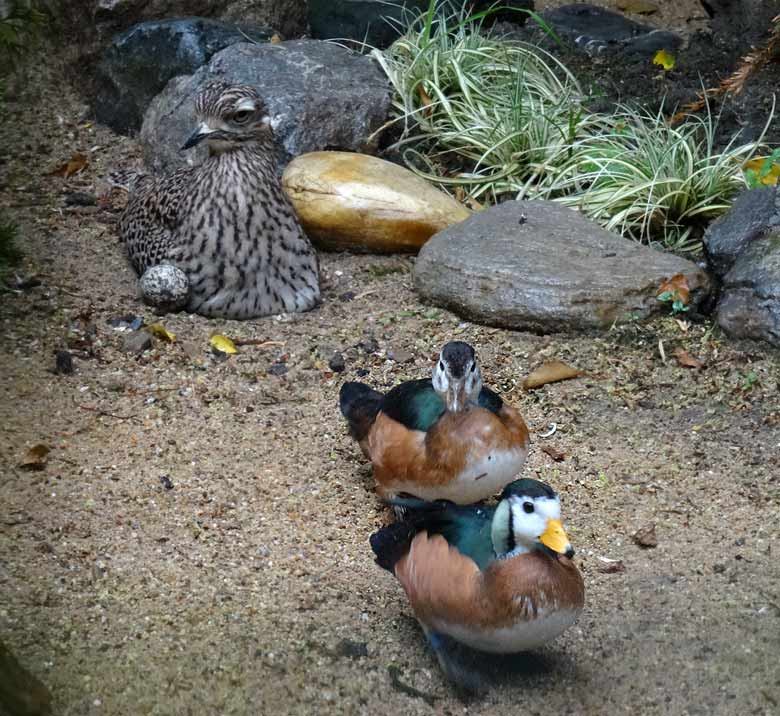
(249, 586)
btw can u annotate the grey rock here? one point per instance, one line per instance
(750, 303)
(139, 62)
(337, 363)
(596, 30)
(378, 22)
(165, 287)
(752, 214)
(538, 266)
(288, 16)
(375, 22)
(399, 355)
(136, 342)
(320, 96)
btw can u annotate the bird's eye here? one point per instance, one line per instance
(242, 116)
(441, 365)
(528, 507)
(473, 367)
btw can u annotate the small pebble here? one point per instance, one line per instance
(399, 355)
(136, 342)
(63, 363)
(278, 369)
(166, 482)
(337, 363)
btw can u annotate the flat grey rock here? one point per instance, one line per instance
(750, 302)
(595, 30)
(139, 62)
(136, 342)
(319, 95)
(111, 16)
(539, 266)
(753, 214)
(379, 23)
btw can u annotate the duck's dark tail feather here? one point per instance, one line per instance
(391, 543)
(359, 405)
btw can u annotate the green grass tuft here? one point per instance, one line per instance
(499, 117)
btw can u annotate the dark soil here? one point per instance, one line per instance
(711, 53)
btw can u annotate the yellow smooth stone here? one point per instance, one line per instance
(355, 202)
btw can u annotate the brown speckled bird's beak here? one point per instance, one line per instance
(197, 136)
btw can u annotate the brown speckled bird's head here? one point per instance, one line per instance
(229, 116)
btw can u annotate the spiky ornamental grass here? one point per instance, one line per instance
(500, 117)
(649, 180)
(503, 107)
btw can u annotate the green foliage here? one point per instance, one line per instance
(677, 305)
(19, 32)
(766, 173)
(9, 251)
(650, 180)
(492, 116)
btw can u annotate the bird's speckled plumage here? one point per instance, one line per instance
(226, 223)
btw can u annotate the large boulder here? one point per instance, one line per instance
(139, 62)
(319, 95)
(354, 202)
(753, 214)
(539, 266)
(378, 22)
(750, 303)
(90, 24)
(595, 30)
(288, 16)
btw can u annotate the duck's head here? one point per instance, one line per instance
(229, 117)
(456, 377)
(529, 517)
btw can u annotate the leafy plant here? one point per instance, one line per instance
(19, 32)
(649, 180)
(490, 116)
(763, 171)
(479, 112)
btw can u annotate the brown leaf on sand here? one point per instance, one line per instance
(556, 455)
(645, 537)
(550, 373)
(77, 163)
(611, 566)
(35, 458)
(686, 360)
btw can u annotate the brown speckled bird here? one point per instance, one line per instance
(225, 223)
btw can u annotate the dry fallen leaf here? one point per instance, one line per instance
(223, 344)
(78, 162)
(645, 537)
(158, 330)
(556, 455)
(611, 566)
(35, 459)
(550, 373)
(425, 101)
(686, 360)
